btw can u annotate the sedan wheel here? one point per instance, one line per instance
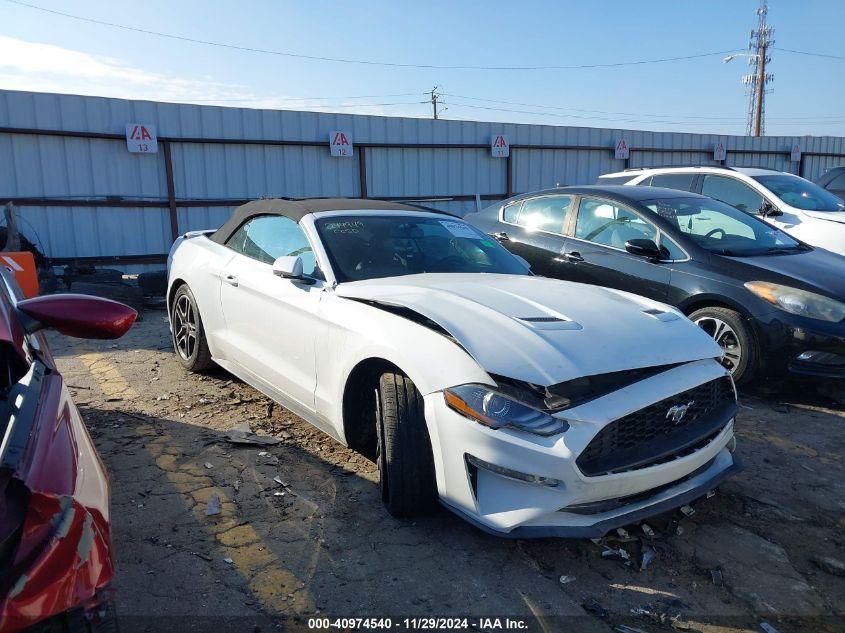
(734, 335)
(727, 339)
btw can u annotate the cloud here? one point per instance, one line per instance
(38, 67)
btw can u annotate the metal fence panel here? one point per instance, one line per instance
(96, 232)
(229, 153)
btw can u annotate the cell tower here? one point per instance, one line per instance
(757, 81)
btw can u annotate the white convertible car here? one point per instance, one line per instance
(529, 406)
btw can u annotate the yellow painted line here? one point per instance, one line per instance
(268, 579)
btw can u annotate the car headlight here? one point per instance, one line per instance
(490, 408)
(801, 302)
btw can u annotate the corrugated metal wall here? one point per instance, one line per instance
(228, 154)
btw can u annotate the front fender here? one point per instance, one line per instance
(357, 332)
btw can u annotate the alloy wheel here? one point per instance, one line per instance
(727, 339)
(185, 327)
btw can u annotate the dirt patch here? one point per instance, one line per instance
(301, 530)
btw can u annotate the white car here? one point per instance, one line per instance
(789, 202)
(529, 406)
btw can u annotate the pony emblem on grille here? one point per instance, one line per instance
(678, 412)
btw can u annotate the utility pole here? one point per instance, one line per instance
(761, 40)
(434, 97)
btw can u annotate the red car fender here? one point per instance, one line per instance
(64, 558)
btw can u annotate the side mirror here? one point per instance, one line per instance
(290, 267)
(767, 209)
(644, 248)
(80, 316)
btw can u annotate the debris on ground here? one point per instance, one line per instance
(566, 579)
(716, 577)
(228, 561)
(242, 435)
(209, 465)
(213, 505)
(647, 556)
(617, 553)
(688, 510)
(593, 607)
(832, 566)
(647, 530)
(768, 628)
(622, 628)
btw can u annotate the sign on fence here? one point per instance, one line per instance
(141, 138)
(795, 154)
(499, 147)
(340, 144)
(622, 151)
(719, 152)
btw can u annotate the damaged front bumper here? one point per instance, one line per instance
(518, 485)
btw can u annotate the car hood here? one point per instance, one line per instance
(543, 331)
(831, 216)
(817, 269)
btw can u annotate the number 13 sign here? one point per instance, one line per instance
(141, 138)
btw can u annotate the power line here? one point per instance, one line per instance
(337, 105)
(791, 50)
(247, 99)
(365, 62)
(634, 114)
(656, 121)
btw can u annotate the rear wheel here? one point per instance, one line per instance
(189, 341)
(406, 465)
(734, 336)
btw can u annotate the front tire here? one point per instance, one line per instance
(736, 338)
(405, 461)
(188, 334)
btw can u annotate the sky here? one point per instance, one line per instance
(45, 52)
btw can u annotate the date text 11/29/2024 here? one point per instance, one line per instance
(424, 623)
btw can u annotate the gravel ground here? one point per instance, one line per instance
(301, 530)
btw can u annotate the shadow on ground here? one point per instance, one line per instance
(320, 541)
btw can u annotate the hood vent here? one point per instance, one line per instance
(660, 315)
(550, 323)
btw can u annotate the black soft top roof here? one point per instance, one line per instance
(297, 209)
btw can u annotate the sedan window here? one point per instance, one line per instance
(373, 247)
(545, 214)
(609, 224)
(269, 237)
(722, 229)
(735, 193)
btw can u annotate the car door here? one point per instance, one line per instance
(271, 322)
(533, 229)
(596, 249)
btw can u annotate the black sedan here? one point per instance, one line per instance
(773, 303)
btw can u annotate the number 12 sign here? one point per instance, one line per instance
(340, 144)
(141, 138)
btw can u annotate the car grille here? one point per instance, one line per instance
(651, 435)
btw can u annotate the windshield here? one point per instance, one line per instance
(722, 229)
(800, 193)
(372, 247)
